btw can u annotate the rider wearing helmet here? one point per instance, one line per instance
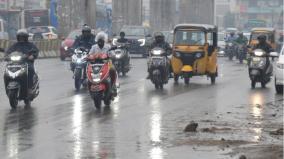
(24, 46)
(122, 38)
(161, 43)
(231, 37)
(241, 40)
(263, 45)
(103, 47)
(86, 40)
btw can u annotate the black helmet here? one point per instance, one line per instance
(159, 37)
(232, 33)
(240, 33)
(22, 35)
(261, 38)
(122, 34)
(86, 30)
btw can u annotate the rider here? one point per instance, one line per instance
(241, 40)
(86, 40)
(231, 37)
(161, 43)
(263, 45)
(122, 38)
(102, 47)
(23, 45)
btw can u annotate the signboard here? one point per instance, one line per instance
(3, 4)
(36, 18)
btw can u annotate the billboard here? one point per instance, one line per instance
(36, 18)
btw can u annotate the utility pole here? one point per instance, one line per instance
(197, 11)
(163, 14)
(90, 14)
(126, 12)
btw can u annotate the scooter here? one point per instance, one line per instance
(78, 66)
(99, 80)
(158, 66)
(260, 68)
(16, 80)
(230, 50)
(121, 59)
(242, 51)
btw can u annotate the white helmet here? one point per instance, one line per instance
(103, 36)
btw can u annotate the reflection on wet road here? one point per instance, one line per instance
(142, 122)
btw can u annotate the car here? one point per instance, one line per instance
(42, 33)
(279, 75)
(138, 37)
(68, 43)
(221, 44)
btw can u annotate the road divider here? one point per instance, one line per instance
(48, 48)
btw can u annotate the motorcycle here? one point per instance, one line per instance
(241, 53)
(16, 80)
(230, 50)
(260, 68)
(121, 59)
(78, 66)
(158, 66)
(99, 80)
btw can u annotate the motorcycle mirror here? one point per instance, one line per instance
(273, 54)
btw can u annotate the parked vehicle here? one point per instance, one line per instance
(99, 80)
(138, 37)
(158, 66)
(78, 65)
(260, 67)
(279, 73)
(16, 80)
(195, 51)
(121, 58)
(37, 33)
(221, 44)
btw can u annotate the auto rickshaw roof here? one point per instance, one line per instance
(204, 27)
(263, 29)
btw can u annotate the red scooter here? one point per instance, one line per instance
(99, 79)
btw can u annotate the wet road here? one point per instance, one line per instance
(142, 122)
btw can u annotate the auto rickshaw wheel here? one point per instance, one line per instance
(176, 78)
(213, 79)
(186, 80)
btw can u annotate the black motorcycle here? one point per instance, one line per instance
(158, 67)
(241, 53)
(16, 80)
(121, 59)
(260, 68)
(230, 50)
(78, 66)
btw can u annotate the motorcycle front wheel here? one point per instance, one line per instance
(13, 99)
(98, 99)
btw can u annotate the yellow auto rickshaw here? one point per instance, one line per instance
(195, 51)
(268, 32)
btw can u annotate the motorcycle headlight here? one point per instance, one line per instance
(96, 77)
(259, 53)
(142, 42)
(157, 52)
(280, 65)
(66, 48)
(16, 58)
(79, 61)
(230, 44)
(117, 56)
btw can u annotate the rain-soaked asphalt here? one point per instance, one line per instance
(144, 123)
